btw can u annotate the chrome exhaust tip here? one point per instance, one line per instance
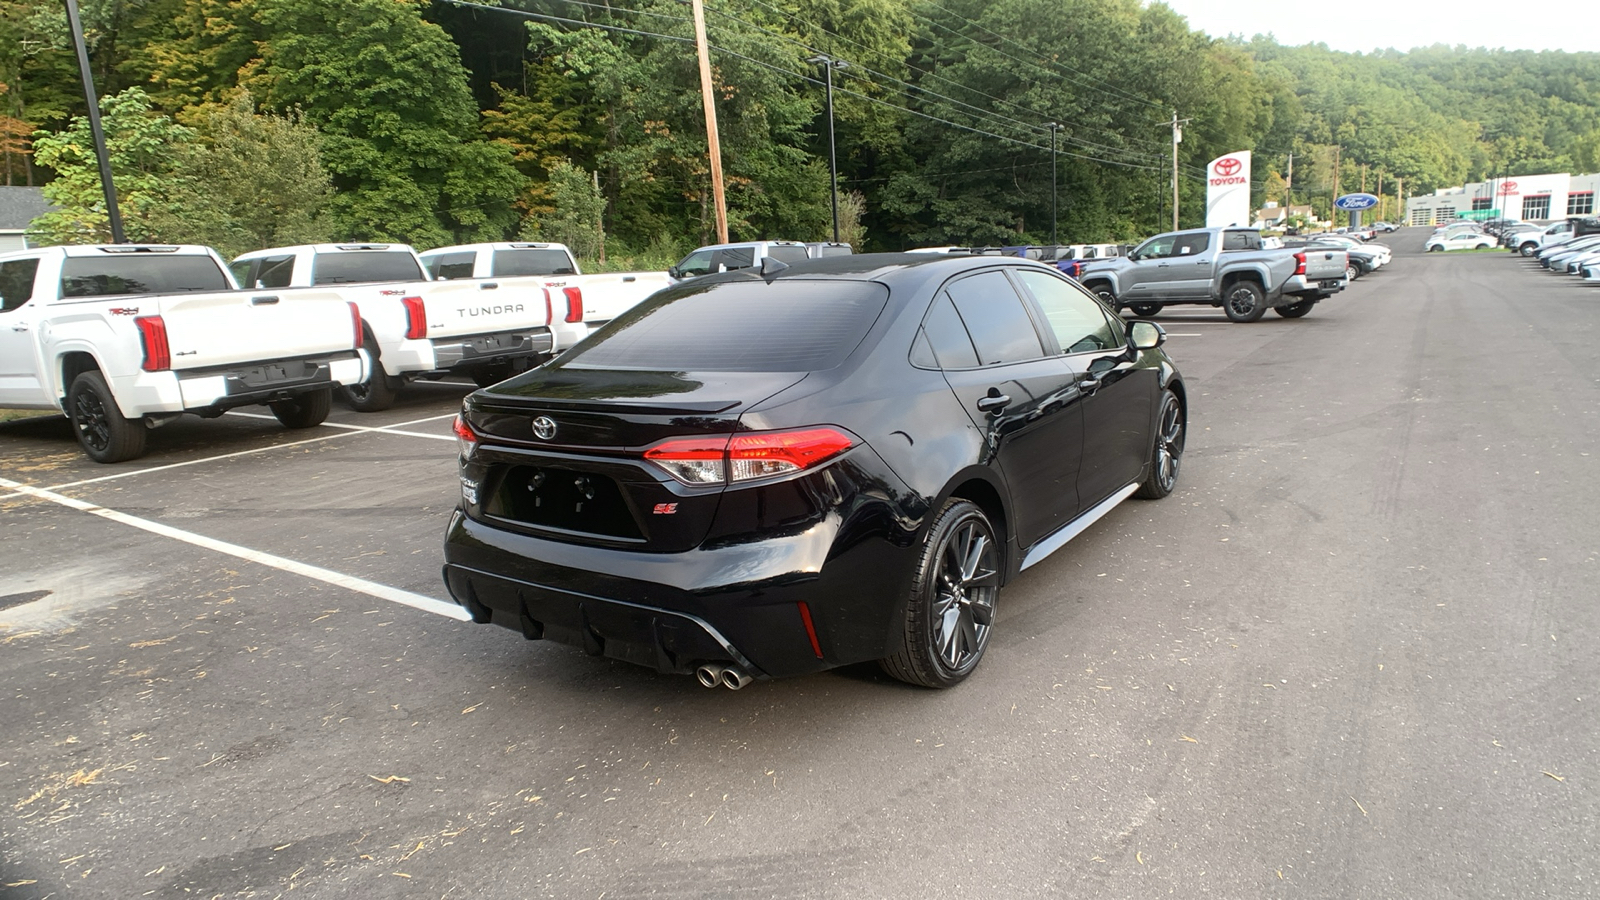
(733, 679)
(709, 675)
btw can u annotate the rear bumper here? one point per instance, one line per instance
(459, 352)
(224, 387)
(1300, 285)
(739, 603)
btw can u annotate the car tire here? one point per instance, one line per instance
(1102, 290)
(1145, 310)
(103, 432)
(1166, 452)
(950, 613)
(377, 392)
(1436, 248)
(1351, 271)
(1528, 249)
(1295, 310)
(306, 410)
(1244, 302)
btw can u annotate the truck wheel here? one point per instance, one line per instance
(1103, 291)
(303, 410)
(951, 609)
(377, 392)
(1351, 272)
(1168, 450)
(1243, 301)
(1528, 249)
(1145, 310)
(1295, 310)
(105, 435)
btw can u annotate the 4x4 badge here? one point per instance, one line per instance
(544, 428)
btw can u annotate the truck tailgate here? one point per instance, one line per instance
(479, 305)
(1324, 265)
(607, 295)
(220, 329)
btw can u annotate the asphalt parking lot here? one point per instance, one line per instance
(1351, 656)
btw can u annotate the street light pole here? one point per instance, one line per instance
(1054, 127)
(113, 214)
(828, 64)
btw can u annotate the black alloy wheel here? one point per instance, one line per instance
(951, 611)
(1145, 310)
(376, 393)
(1103, 291)
(1244, 302)
(1167, 454)
(1295, 310)
(105, 435)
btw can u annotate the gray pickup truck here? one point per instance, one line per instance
(1224, 267)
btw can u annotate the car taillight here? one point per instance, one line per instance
(355, 324)
(416, 318)
(574, 303)
(731, 459)
(466, 438)
(153, 335)
(1299, 263)
(549, 312)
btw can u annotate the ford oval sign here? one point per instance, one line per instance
(1356, 202)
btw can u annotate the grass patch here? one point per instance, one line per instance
(9, 415)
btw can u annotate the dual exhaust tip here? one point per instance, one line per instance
(717, 675)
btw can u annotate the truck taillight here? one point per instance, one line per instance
(153, 335)
(549, 311)
(1299, 263)
(730, 459)
(574, 303)
(355, 324)
(416, 318)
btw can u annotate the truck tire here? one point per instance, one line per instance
(1528, 248)
(377, 392)
(1243, 301)
(106, 436)
(1145, 310)
(1295, 310)
(1102, 290)
(306, 410)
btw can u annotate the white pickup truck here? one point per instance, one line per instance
(582, 302)
(488, 330)
(124, 338)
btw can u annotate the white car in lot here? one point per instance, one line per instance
(124, 338)
(1529, 244)
(1464, 240)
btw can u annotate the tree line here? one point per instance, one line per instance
(249, 123)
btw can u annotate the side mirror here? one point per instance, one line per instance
(1146, 335)
(673, 273)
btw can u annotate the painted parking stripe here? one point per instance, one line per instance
(317, 573)
(354, 429)
(388, 429)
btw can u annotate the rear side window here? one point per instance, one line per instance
(272, 272)
(789, 325)
(1241, 240)
(1191, 244)
(531, 261)
(448, 266)
(734, 258)
(789, 255)
(16, 282)
(364, 267)
(947, 337)
(1000, 326)
(113, 275)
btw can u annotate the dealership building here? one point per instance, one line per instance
(1532, 198)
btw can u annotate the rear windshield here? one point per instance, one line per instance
(116, 274)
(512, 263)
(365, 267)
(790, 255)
(790, 325)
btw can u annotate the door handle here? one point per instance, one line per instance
(1089, 384)
(265, 300)
(995, 402)
(19, 328)
(488, 285)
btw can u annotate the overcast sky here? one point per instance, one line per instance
(1571, 25)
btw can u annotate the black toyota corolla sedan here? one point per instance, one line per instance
(770, 473)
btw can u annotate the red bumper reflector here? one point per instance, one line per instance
(153, 335)
(811, 630)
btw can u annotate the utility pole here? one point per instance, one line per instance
(713, 142)
(113, 214)
(1054, 127)
(1335, 212)
(1177, 138)
(1400, 200)
(1288, 188)
(828, 64)
(1363, 178)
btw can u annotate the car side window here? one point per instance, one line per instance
(995, 316)
(696, 263)
(274, 272)
(734, 258)
(1079, 323)
(448, 266)
(1192, 244)
(16, 282)
(1241, 240)
(947, 338)
(1157, 247)
(241, 273)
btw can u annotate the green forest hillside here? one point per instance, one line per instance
(246, 123)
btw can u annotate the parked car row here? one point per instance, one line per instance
(1574, 255)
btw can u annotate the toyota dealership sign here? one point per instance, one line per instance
(1228, 190)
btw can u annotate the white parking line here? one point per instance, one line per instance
(317, 573)
(352, 430)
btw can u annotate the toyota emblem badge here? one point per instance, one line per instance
(544, 428)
